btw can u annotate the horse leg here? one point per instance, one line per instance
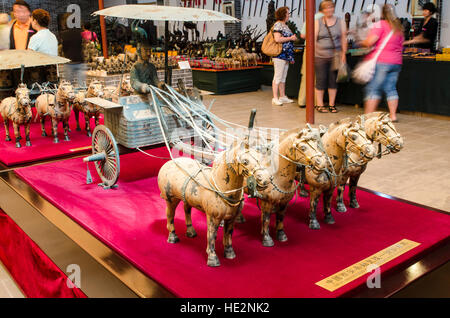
(17, 134)
(44, 134)
(266, 210)
(171, 205)
(213, 225)
(55, 130)
(97, 119)
(281, 235)
(88, 125)
(27, 134)
(6, 123)
(327, 195)
(66, 129)
(303, 193)
(77, 118)
(227, 244)
(353, 183)
(240, 217)
(190, 231)
(313, 200)
(340, 206)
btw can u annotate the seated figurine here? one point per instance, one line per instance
(143, 73)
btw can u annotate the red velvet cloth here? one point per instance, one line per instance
(43, 147)
(132, 220)
(30, 267)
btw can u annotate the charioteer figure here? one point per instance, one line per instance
(143, 73)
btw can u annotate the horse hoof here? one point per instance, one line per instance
(56, 141)
(191, 232)
(66, 138)
(329, 219)
(354, 204)
(7, 139)
(240, 219)
(303, 193)
(314, 225)
(267, 241)
(229, 252)
(281, 236)
(18, 145)
(28, 144)
(341, 208)
(222, 223)
(89, 134)
(44, 134)
(213, 261)
(173, 238)
(78, 129)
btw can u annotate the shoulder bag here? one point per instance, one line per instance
(270, 47)
(365, 70)
(336, 63)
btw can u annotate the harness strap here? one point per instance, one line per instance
(186, 182)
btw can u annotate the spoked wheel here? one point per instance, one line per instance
(105, 155)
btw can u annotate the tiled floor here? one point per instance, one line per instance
(8, 288)
(419, 173)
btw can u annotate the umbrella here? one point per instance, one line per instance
(14, 59)
(164, 13)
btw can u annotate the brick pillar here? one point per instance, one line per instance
(233, 29)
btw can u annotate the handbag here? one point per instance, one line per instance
(270, 47)
(365, 70)
(336, 61)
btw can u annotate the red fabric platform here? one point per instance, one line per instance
(30, 267)
(43, 147)
(131, 220)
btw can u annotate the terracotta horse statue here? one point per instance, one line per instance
(89, 110)
(112, 92)
(218, 191)
(57, 107)
(18, 110)
(296, 147)
(339, 141)
(380, 129)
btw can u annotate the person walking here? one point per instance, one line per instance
(44, 40)
(388, 64)
(282, 34)
(331, 40)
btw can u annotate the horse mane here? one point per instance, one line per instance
(339, 123)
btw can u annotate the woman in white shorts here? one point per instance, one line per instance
(282, 34)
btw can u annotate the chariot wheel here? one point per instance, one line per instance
(106, 156)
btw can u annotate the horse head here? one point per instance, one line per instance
(66, 92)
(356, 143)
(307, 148)
(379, 128)
(23, 97)
(248, 162)
(95, 89)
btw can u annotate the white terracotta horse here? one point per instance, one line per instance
(18, 110)
(57, 107)
(379, 128)
(217, 191)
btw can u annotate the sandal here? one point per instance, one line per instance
(321, 109)
(333, 109)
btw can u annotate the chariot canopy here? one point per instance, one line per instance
(164, 13)
(14, 59)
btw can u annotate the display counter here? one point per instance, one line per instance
(422, 87)
(229, 81)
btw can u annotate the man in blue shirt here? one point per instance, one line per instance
(43, 41)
